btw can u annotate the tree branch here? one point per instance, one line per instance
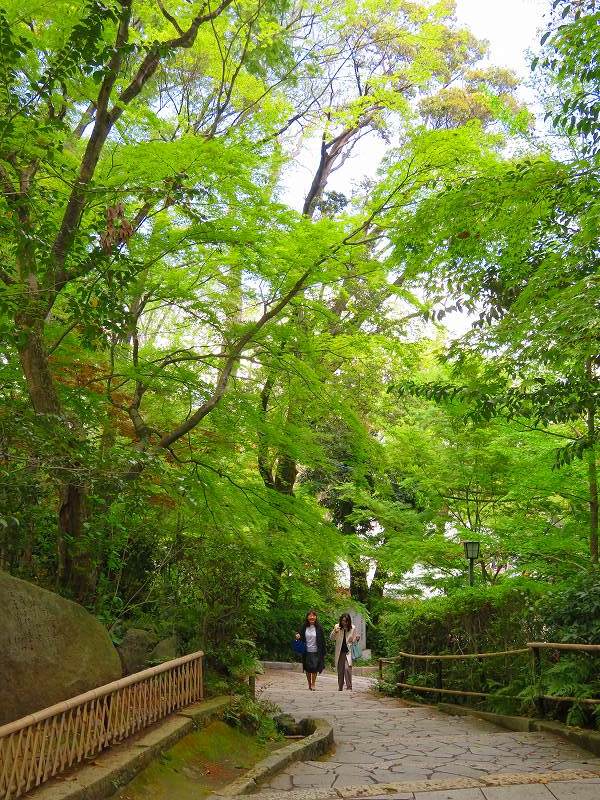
(170, 18)
(105, 119)
(225, 372)
(102, 126)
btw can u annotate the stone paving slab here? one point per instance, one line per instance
(385, 746)
(519, 787)
(576, 790)
(535, 792)
(451, 794)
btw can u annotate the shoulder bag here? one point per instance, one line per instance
(299, 647)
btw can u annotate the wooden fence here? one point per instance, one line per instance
(41, 745)
(533, 649)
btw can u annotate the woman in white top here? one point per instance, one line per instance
(344, 634)
(313, 660)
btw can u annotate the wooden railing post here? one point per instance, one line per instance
(252, 684)
(439, 682)
(536, 666)
(483, 675)
(381, 669)
(402, 672)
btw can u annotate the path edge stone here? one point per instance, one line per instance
(316, 744)
(106, 773)
(588, 739)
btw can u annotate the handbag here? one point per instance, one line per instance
(299, 646)
(355, 650)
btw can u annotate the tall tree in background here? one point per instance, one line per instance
(112, 172)
(517, 245)
(385, 60)
(572, 56)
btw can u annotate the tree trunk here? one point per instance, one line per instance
(378, 583)
(75, 565)
(359, 589)
(34, 362)
(285, 477)
(80, 569)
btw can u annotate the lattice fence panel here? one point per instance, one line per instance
(37, 747)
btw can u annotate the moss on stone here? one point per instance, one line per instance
(197, 765)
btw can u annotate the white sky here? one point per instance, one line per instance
(510, 26)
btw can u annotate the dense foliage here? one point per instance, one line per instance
(215, 406)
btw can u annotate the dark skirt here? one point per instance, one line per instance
(312, 662)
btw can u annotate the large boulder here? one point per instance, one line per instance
(135, 649)
(165, 650)
(50, 649)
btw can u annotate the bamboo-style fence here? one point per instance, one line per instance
(41, 745)
(534, 649)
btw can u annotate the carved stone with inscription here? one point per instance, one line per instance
(50, 649)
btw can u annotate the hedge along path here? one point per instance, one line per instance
(387, 748)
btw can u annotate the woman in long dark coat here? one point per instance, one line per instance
(313, 659)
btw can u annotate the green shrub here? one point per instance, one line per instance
(496, 618)
(572, 614)
(471, 620)
(254, 717)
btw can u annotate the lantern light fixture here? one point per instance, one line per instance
(471, 553)
(471, 550)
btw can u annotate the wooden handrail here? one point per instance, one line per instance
(95, 694)
(533, 648)
(559, 698)
(575, 647)
(587, 648)
(452, 656)
(438, 690)
(41, 745)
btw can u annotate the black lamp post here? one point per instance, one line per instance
(471, 552)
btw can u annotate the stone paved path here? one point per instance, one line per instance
(380, 741)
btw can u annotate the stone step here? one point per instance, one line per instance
(446, 762)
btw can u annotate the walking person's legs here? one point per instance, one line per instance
(314, 680)
(341, 670)
(348, 676)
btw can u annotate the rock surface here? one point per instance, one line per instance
(135, 649)
(287, 725)
(50, 649)
(165, 650)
